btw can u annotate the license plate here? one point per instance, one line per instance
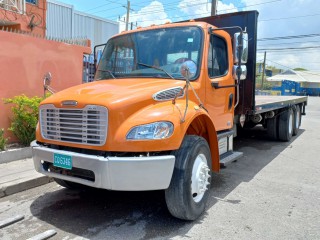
(63, 161)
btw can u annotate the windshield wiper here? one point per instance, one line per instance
(154, 67)
(108, 71)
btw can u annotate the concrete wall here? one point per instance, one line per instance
(25, 59)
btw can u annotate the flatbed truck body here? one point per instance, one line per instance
(266, 103)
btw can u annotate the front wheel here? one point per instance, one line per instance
(188, 192)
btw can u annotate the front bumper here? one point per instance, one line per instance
(113, 173)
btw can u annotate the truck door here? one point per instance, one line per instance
(220, 101)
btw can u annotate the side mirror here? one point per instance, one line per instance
(188, 69)
(243, 72)
(47, 80)
(46, 84)
(238, 50)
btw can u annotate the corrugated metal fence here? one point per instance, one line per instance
(88, 66)
(65, 23)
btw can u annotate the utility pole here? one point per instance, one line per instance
(263, 68)
(214, 7)
(133, 24)
(128, 13)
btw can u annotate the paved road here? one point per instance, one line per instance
(273, 192)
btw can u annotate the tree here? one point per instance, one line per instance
(300, 69)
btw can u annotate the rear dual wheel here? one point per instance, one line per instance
(297, 120)
(286, 123)
(188, 192)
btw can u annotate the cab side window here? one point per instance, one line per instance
(217, 57)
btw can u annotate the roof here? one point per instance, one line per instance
(296, 76)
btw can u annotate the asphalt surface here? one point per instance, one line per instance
(273, 192)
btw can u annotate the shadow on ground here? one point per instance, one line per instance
(86, 213)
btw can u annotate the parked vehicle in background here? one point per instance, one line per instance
(162, 112)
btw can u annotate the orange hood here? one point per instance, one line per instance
(114, 94)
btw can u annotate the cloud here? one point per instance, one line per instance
(269, 10)
(153, 13)
(290, 25)
(202, 8)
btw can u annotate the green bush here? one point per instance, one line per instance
(3, 140)
(25, 117)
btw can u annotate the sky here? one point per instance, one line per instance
(294, 19)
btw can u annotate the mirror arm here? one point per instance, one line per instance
(95, 60)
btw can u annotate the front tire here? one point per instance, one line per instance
(188, 192)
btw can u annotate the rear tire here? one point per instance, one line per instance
(297, 120)
(285, 127)
(189, 189)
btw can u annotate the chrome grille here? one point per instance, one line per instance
(84, 126)
(168, 94)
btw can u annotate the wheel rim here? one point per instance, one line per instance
(200, 178)
(290, 123)
(297, 118)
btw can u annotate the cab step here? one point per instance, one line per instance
(229, 157)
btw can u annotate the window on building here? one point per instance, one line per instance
(217, 57)
(35, 2)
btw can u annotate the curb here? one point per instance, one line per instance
(15, 154)
(24, 185)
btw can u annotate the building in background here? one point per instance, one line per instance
(54, 19)
(28, 16)
(64, 22)
(296, 83)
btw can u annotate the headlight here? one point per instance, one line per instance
(157, 130)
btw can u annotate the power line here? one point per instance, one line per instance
(168, 4)
(106, 10)
(270, 44)
(208, 11)
(145, 13)
(197, 4)
(249, 5)
(191, 15)
(291, 68)
(282, 53)
(290, 37)
(103, 5)
(153, 12)
(273, 19)
(289, 48)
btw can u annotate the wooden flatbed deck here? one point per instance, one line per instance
(268, 103)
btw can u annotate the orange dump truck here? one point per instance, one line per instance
(162, 112)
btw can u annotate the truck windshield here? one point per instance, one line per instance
(156, 53)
